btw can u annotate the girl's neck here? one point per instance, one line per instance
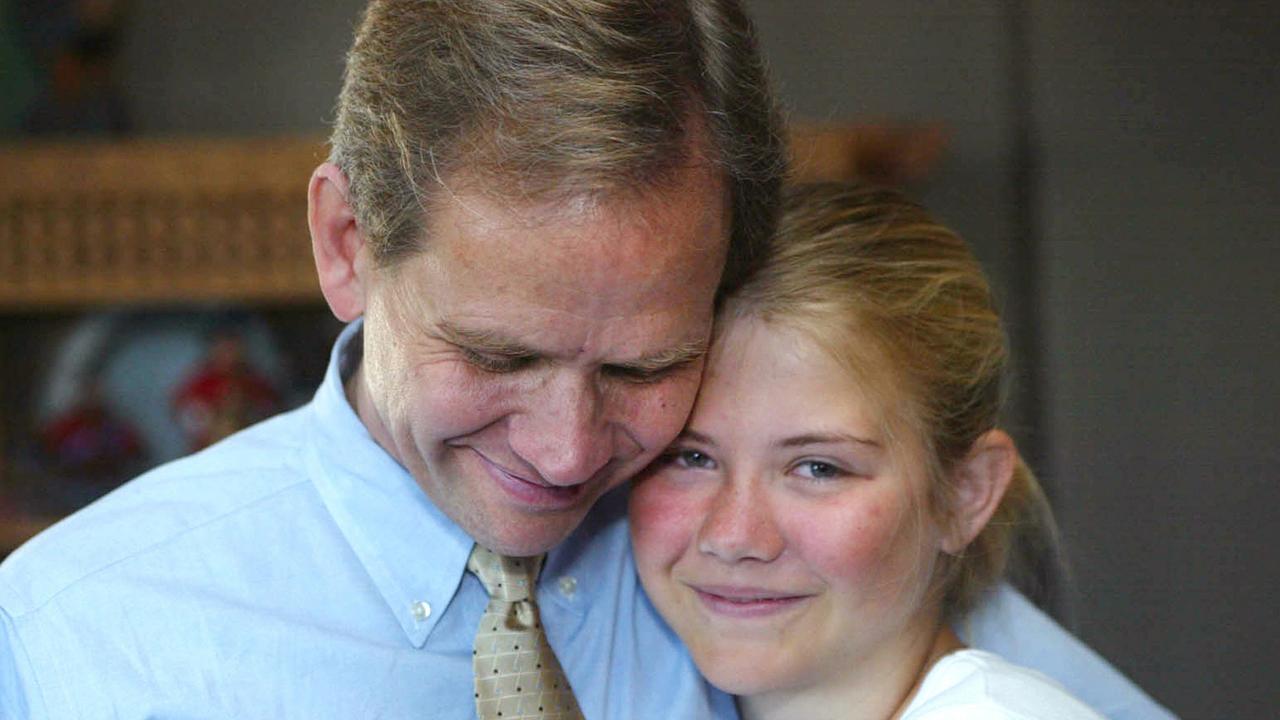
(945, 642)
(878, 687)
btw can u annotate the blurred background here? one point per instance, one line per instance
(1113, 163)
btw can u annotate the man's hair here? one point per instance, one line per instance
(552, 99)
(901, 302)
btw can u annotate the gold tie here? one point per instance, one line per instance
(517, 674)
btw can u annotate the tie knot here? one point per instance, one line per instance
(505, 578)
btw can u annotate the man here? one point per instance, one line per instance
(528, 212)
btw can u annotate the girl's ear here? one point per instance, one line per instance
(980, 481)
(337, 243)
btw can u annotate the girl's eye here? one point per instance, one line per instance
(693, 460)
(819, 470)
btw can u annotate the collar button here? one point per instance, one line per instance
(421, 610)
(568, 586)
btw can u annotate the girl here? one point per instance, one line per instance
(841, 492)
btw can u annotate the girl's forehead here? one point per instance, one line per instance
(844, 362)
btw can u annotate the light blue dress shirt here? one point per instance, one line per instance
(1009, 625)
(297, 571)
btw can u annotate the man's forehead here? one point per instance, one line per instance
(641, 226)
(588, 178)
(586, 185)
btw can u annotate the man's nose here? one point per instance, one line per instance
(563, 433)
(740, 525)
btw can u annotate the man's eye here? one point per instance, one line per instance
(644, 375)
(638, 376)
(490, 362)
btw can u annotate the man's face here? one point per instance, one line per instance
(536, 355)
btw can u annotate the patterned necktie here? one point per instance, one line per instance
(517, 674)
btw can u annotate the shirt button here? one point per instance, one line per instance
(568, 586)
(421, 610)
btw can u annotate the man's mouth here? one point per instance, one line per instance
(535, 494)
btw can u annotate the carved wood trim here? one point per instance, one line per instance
(155, 221)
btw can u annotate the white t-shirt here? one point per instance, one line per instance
(976, 685)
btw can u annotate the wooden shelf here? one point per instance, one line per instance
(85, 223)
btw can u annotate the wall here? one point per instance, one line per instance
(911, 61)
(1160, 210)
(235, 66)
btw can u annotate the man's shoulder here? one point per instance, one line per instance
(149, 513)
(1011, 626)
(1008, 624)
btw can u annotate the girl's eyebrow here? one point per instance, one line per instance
(694, 435)
(826, 439)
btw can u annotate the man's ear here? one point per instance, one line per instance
(337, 243)
(980, 481)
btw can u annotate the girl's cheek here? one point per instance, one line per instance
(851, 541)
(663, 518)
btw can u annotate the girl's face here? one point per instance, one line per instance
(781, 536)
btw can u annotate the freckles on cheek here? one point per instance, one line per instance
(856, 542)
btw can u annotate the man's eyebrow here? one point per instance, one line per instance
(682, 354)
(826, 439)
(485, 341)
(488, 341)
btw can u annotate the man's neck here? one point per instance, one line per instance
(357, 393)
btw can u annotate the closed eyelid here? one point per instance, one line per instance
(497, 362)
(512, 355)
(484, 343)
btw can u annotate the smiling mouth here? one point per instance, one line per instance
(535, 495)
(746, 603)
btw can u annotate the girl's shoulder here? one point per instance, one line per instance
(977, 684)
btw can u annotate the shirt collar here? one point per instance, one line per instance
(414, 553)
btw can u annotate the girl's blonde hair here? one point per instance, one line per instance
(903, 303)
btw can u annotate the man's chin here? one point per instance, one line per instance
(524, 537)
